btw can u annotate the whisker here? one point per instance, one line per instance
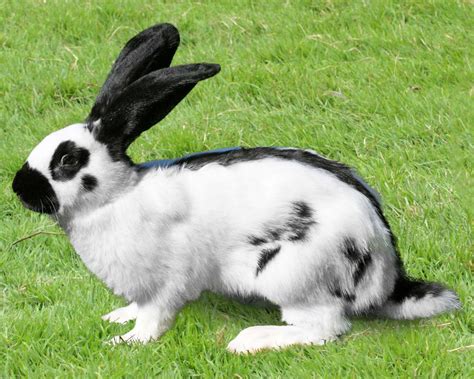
(55, 211)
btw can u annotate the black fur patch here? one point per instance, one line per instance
(350, 250)
(67, 160)
(407, 288)
(266, 256)
(300, 221)
(89, 182)
(294, 228)
(34, 190)
(274, 233)
(257, 241)
(361, 268)
(302, 210)
(349, 297)
(360, 258)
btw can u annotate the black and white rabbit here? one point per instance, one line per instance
(287, 225)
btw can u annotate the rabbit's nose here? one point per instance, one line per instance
(35, 191)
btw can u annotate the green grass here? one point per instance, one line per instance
(386, 87)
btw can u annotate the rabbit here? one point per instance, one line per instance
(286, 225)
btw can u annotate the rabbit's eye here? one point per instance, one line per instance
(68, 160)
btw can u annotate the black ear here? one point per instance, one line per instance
(150, 50)
(147, 101)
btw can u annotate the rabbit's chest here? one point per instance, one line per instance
(125, 255)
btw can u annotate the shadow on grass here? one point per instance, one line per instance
(240, 310)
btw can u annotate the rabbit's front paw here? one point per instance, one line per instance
(141, 333)
(122, 315)
(134, 336)
(148, 327)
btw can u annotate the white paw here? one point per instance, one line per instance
(256, 338)
(146, 329)
(122, 315)
(132, 337)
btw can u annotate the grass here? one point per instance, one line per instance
(386, 87)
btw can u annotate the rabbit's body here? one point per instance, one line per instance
(209, 228)
(287, 225)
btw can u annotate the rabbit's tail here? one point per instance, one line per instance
(417, 299)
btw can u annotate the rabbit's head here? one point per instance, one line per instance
(87, 162)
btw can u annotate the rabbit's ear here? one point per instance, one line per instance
(150, 50)
(145, 102)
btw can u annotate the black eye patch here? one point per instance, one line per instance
(67, 160)
(89, 182)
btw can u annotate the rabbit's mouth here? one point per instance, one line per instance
(35, 191)
(42, 208)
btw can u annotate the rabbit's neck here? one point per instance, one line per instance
(108, 192)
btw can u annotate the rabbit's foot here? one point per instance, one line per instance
(122, 315)
(143, 332)
(257, 338)
(152, 322)
(136, 335)
(308, 325)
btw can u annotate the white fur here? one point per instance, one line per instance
(257, 338)
(149, 326)
(161, 237)
(122, 315)
(169, 212)
(307, 325)
(427, 306)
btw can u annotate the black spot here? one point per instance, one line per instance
(299, 222)
(349, 297)
(257, 241)
(302, 210)
(35, 191)
(361, 268)
(350, 250)
(67, 160)
(360, 258)
(274, 233)
(89, 182)
(297, 235)
(266, 256)
(409, 288)
(293, 228)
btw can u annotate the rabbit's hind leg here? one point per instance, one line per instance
(307, 325)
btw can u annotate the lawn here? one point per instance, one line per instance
(387, 87)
